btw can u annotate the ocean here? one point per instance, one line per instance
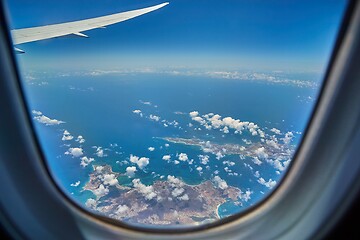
(101, 109)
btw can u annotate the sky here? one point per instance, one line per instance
(224, 34)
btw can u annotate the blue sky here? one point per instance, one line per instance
(222, 34)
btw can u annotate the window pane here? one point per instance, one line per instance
(182, 116)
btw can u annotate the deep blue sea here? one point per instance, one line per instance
(100, 108)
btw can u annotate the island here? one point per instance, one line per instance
(164, 202)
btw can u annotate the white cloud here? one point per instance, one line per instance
(220, 183)
(184, 197)
(75, 152)
(288, 137)
(101, 191)
(276, 131)
(122, 209)
(257, 161)
(75, 184)
(100, 152)
(199, 169)
(110, 179)
(86, 161)
(175, 182)
(166, 157)
(269, 184)
(47, 121)
(177, 192)
(257, 174)
(260, 152)
(204, 159)
(154, 117)
(151, 149)
(36, 112)
(194, 114)
(90, 203)
(137, 111)
(183, 157)
(146, 191)
(176, 162)
(245, 196)
(66, 136)
(141, 162)
(80, 139)
(130, 171)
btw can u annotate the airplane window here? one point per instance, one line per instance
(176, 114)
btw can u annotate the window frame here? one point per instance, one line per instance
(35, 207)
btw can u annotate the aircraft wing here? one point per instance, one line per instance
(77, 27)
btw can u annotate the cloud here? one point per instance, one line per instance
(146, 191)
(141, 162)
(101, 191)
(122, 209)
(100, 152)
(110, 179)
(145, 102)
(80, 139)
(175, 182)
(184, 197)
(47, 121)
(260, 152)
(276, 131)
(137, 111)
(154, 117)
(66, 136)
(166, 157)
(245, 196)
(177, 192)
(183, 157)
(75, 184)
(220, 183)
(257, 161)
(90, 203)
(86, 161)
(130, 171)
(151, 149)
(204, 159)
(36, 112)
(288, 137)
(199, 169)
(194, 114)
(269, 184)
(75, 152)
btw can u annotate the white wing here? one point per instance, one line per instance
(57, 30)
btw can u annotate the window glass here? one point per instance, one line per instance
(181, 116)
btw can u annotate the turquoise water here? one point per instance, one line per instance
(100, 108)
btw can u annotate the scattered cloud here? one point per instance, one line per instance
(66, 136)
(86, 161)
(166, 157)
(46, 120)
(146, 191)
(75, 184)
(141, 162)
(220, 183)
(75, 152)
(101, 191)
(269, 184)
(130, 171)
(183, 157)
(110, 179)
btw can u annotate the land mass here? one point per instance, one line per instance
(168, 202)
